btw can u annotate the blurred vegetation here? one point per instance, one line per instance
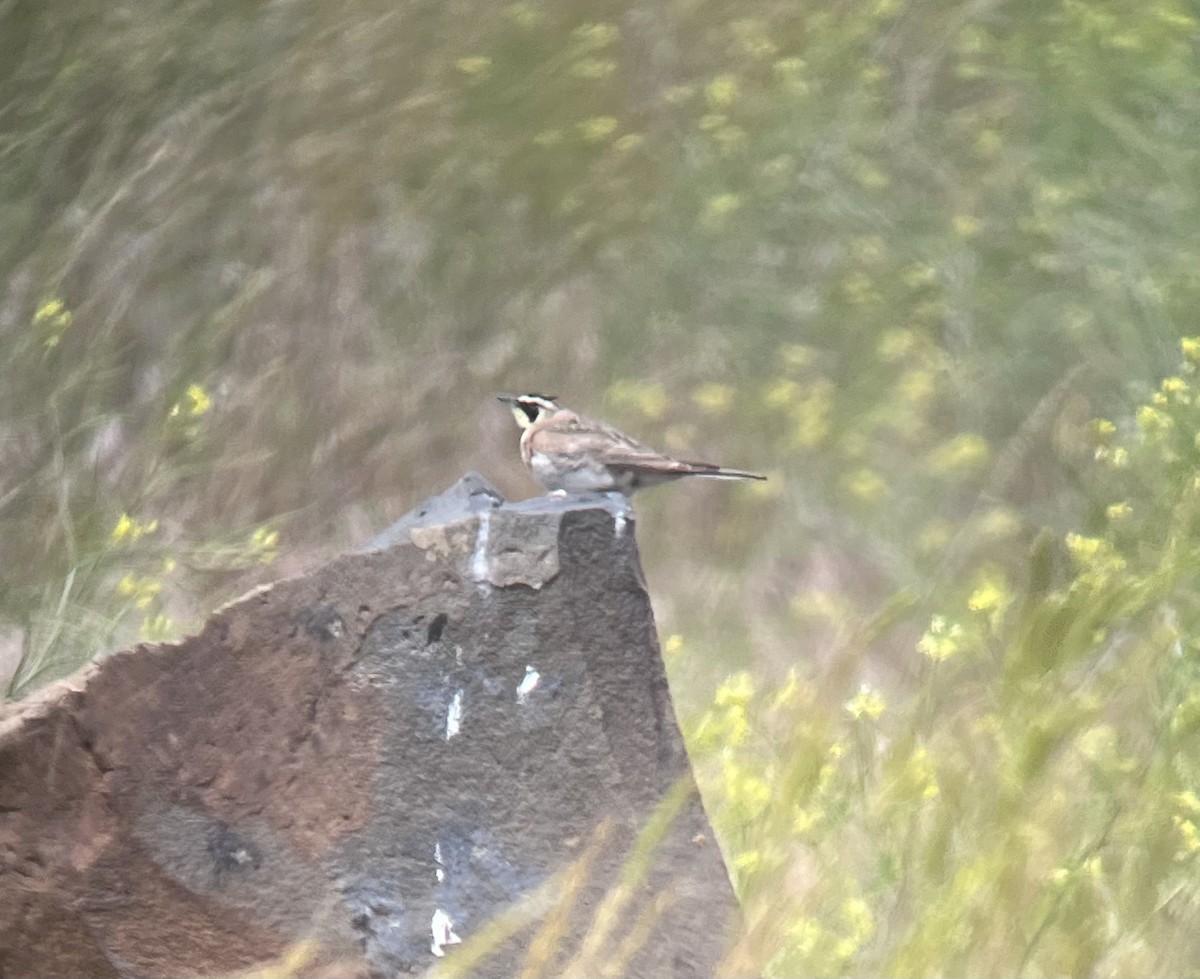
(265, 265)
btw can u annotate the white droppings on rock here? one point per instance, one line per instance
(528, 684)
(619, 525)
(443, 933)
(454, 715)
(440, 871)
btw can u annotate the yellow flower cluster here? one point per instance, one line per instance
(942, 639)
(52, 318)
(129, 529)
(194, 403)
(867, 703)
(264, 543)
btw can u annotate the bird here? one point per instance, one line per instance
(570, 453)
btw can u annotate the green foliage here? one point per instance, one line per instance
(1030, 806)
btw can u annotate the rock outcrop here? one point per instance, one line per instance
(454, 749)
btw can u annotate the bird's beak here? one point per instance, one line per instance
(508, 399)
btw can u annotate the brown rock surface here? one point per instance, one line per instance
(351, 769)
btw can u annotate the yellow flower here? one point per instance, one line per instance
(1085, 549)
(147, 592)
(53, 317)
(194, 403)
(673, 645)
(790, 66)
(872, 73)
(131, 529)
(988, 597)
(941, 639)
(597, 128)
(960, 454)
(1191, 348)
(264, 542)
(476, 66)
(1095, 557)
(871, 177)
(1118, 511)
(805, 935)
(916, 385)
(966, 225)
(157, 627)
(858, 916)
(866, 703)
(999, 523)
(920, 773)
(746, 861)
(1150, 420)
(715, 399)
(722, 91)
(123, 528)
(1191, 836)
(593, 37)
(1188, 800)
(48, 310)
(198, 400)
(782, 394)
(738, 689)
(720, 206)
(806, 820)
(920, 274)
(143, 591)
(865, 484)
(895, 344)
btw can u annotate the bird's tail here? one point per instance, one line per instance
(718, 472)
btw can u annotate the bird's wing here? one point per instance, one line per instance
(568, 435)
(571, 437)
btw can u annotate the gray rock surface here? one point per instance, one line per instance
(437, 752)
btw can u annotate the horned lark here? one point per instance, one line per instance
(569, 453)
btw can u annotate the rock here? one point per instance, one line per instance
(441, 750)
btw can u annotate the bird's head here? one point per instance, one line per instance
(528, 408)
